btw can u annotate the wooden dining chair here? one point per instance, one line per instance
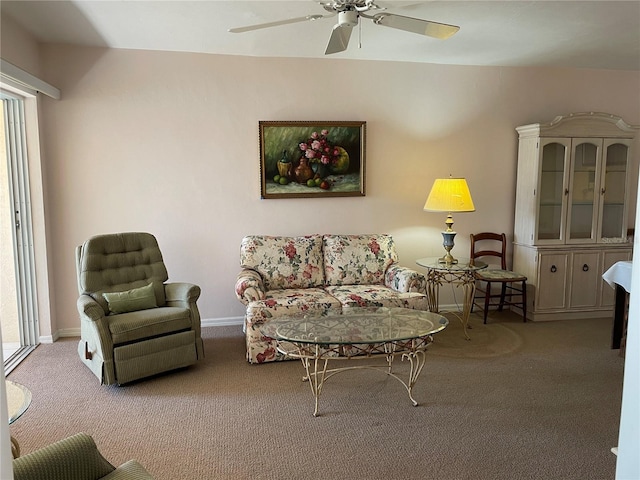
(513, 286)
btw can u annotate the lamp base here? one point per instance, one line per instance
(448, 259)
(447, 243)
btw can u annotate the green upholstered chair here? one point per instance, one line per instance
(74, 458)
(133, 323)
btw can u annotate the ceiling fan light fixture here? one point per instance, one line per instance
(348, 18)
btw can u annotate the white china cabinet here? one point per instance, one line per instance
(571, 215)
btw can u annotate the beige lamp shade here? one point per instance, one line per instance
(449, 195)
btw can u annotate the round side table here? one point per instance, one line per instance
(458, 274)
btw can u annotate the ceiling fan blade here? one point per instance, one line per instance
(278, 23)
(339, 39)
(415, 25)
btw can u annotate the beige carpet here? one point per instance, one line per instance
(518, 401)
(496, 338)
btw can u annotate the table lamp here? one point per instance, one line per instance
(449, 195)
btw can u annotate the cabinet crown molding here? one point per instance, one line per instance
(582, 124)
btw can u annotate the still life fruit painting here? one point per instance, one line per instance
(312, 159)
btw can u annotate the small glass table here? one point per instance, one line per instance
(458, 274)
(18, 400)
(358, 333)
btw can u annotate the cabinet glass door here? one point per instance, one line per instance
(613, 191)
(583, 188)
(551, 203)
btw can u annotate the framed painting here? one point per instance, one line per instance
(312, 159)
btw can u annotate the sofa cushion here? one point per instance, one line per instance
(357, 259)
(353, 296)
(280, 303)
(284, 262)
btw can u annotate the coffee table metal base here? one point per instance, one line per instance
(315, 359)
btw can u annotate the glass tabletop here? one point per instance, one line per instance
(463, 265)
(18, 400)
(357, 326)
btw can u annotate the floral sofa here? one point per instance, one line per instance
(319, 274)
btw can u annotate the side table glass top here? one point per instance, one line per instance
(18, 400)
(463, 265)
(361, 325)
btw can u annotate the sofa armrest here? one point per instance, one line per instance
(73, 458)
(249, 286)
(178, 292)
(403, 279)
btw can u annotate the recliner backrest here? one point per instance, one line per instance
(119, 262)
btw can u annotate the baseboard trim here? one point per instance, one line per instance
(221, 322)
(205, 322)
(58, 334)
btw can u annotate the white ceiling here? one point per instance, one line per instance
(583, 34)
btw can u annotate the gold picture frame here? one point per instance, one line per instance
(308, 159)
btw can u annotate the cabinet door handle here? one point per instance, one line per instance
(603, 191)
(553, 269)
(566, 191)
(585, 268)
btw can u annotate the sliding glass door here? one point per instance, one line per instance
(18, 305)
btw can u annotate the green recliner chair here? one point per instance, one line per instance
(74, 458)
(133, 323)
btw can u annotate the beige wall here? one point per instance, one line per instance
(168, 143)
(18, 46)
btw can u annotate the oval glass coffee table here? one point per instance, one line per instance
(358, 333)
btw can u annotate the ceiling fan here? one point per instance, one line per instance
(349, 13)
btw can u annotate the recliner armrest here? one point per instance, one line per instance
(181, 292)
(403, 279)
(88, 307)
